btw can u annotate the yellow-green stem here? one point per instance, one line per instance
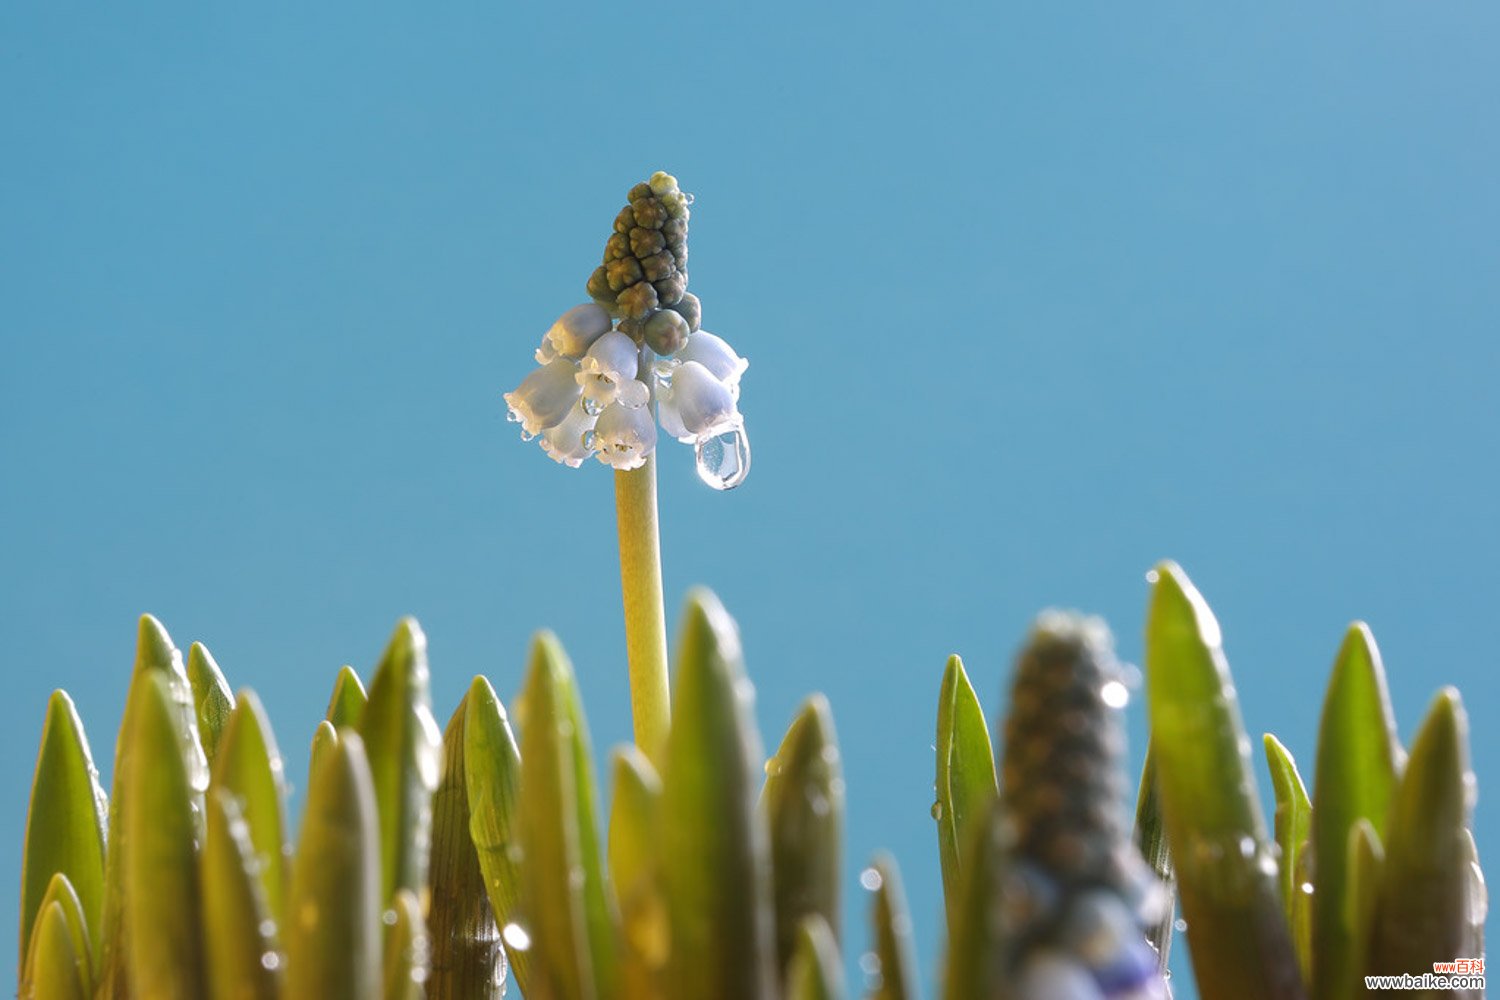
(645, 612)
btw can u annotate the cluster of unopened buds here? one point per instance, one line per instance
(611, 369)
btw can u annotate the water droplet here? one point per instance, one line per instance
(1179, 925)
(527, 436)
(515, 935)
(724, 459)
(1114, 694)
(388, 918)
(870, 879)
(1247, 847)
(592, 406)
(1306, 887)
(590, 440)
(512, 417)
(937, 810)
(869, 963)
(270, 961)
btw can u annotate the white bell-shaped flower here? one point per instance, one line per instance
(714, 353)
(570, 442)
(624, 436)
(574, 332)
(545, 396)
(696, 405)
(607, 373)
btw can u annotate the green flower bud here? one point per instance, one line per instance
(598, 286)
(645, 242)
(669, 289)
(657, 266)
(637, 301)
(642, 190)
(649, 212)
(617, 246)
(661, 183)
(666, 332)
(689, 308)
(625, 221)
(623, 273)
(675, 231)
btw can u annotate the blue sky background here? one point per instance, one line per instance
(1033, 297)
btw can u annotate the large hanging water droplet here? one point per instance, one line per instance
(592, 406)
(724, 459)
(512, 417)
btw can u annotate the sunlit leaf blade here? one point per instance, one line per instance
(714, 840)
(402, 741)
(965, 774)
(163, 828)
(803, 800)
(467, 960)
(1425, 880)
(1365, 860)
(212, 699)
(60, 893)
(66, 821)
(407, 949)
(1150, 836)
(333, 938)
(635, 872)
(346, 707)
(568, 915)
(974, 964)
(492, 775)
(154, 656)
(815, 971)
(1293, 825)
(1358, 762)
(1226, 871)
(55, 969)
(325, 738)
(240, 940)
(894, 950)
(248, 767)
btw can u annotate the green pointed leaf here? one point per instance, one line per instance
(248, 767)
(893, 932)
(1359, 759)
(718, 881)
(571, 920)
(347, 705)
(492, 776)
(333, 939)
(60, 893)
(965, 774)
(236, 914)
(407, 949)
(1366, 859)
(803, 800)
(325, 738)
(1426, 877)
(467, 960)
(55, 969)
(66, 821)
(635, 869)
(1226, 871)
(163, 827)
(401, 738)
(1150, 837)
(212, 699)
(1293, 826)
(155, 656)
(976, 962)
(815, 971)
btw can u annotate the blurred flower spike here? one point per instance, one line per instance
(610, 370)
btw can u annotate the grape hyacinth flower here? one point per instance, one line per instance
(1077, 896)
(609, 370)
